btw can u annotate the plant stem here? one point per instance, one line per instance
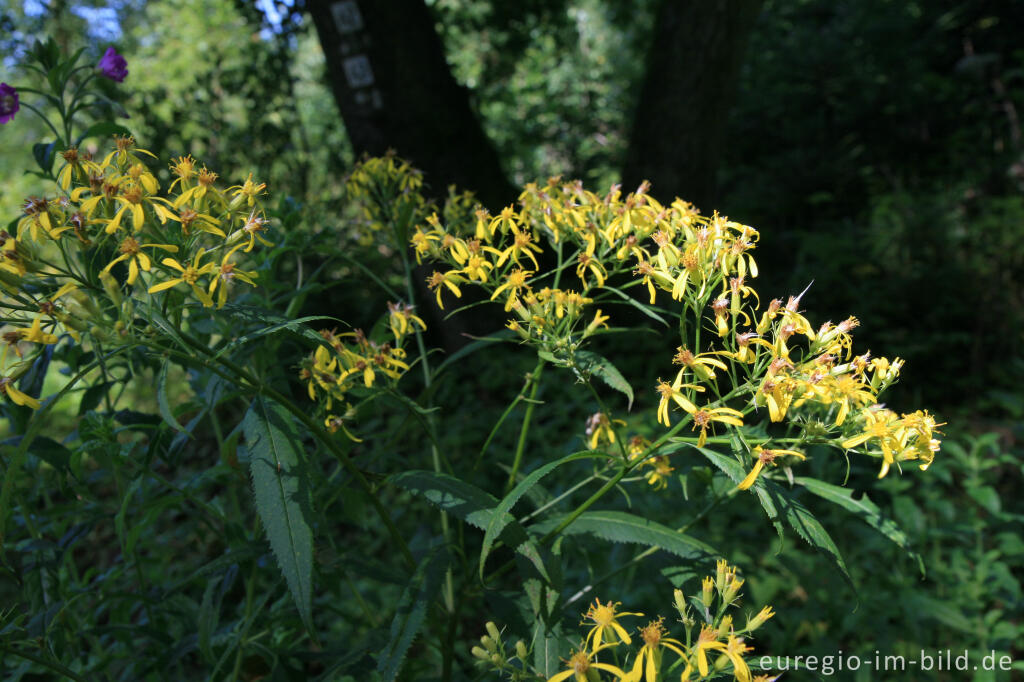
(524, 430)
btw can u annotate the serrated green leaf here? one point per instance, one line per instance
(736, 473)
(453, 495)
(806, 525)
(592, 363)
(282, 497)
(500, 517)
(411, 612)
(617, 526)
(161, 399)
(866, 510)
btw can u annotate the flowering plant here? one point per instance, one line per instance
(350, 458)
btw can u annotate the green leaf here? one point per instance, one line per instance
(807, 527)
(282, 497)
(270, 324)
(461, 499)
(472, 505)
(735, 471)
(500, 517)
(625, 527)
(44, 156)
(592, 363)
(161, 399)
(866, 510)
(412, 610)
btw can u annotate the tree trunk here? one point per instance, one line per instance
(680, 121)
(395, 90)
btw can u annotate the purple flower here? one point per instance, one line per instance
(113, 66)
(8, 102)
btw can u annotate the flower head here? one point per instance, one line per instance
(8, 102)
(113, 66)
(606, 626)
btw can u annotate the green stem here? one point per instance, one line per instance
(576, 513)
(524, 430)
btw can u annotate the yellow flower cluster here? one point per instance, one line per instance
(382, 191)
(61, 262)
(331, 371)
(773, 358)
(717, 646)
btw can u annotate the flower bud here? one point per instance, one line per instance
(680, 601)
(521, 651)
(111, 286)
(480, 653)
(492, 630)
(489, 644)
(707, 594)
(759, 620)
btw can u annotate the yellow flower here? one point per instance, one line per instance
(253, 226)
(588, 263)
(764, 457)
(193, 219)
(522, 245)
(672, 392)
(515, 281)
(707, 640)
(703, 418)
(134, 198)
(225, 274)
(606, 625)
(599, 427)
(649, 657)
(247, 191)
(701, 365)
(126, 151)
(131, 251)
(402, 320)
(204, 189)
(450, 279)
(185, 168)
(17, 397)
(190, 275)
(579, 663)
(733, 651)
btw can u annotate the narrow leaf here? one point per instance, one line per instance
(866, 510)
(625, 527)
(282, 497)
(501, 516)
(592, 363)
(161, 399)
(735, 471)
(411, 613)
(806, 525)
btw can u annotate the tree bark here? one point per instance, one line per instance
(680, 122)
(395, 90)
